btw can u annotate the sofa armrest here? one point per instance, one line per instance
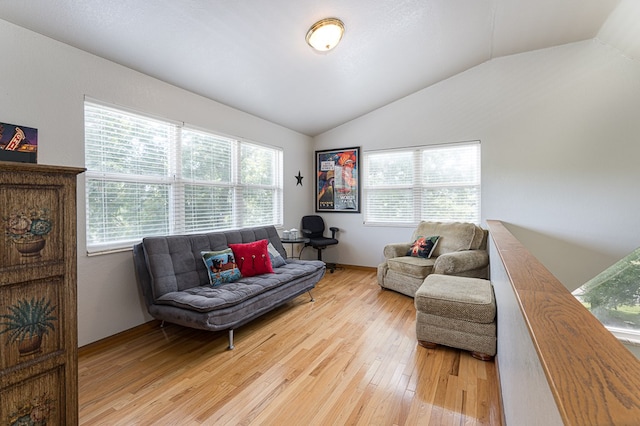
(460, 261)
(396, 250)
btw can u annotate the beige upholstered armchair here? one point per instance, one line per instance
(460, 249)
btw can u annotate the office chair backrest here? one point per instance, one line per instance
(315, 224)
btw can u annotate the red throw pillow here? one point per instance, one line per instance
(252, 258)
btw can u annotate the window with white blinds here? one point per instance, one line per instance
(438, 183)
(149, 177)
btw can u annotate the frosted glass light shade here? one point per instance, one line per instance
(325, 34)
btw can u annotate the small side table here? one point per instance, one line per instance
(295, 241)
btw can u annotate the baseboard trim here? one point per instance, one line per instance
(98, 345)
(358, 267)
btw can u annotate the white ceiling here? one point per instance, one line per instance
(252, 54)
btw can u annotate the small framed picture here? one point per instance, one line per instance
(18, 143)
(338, 180)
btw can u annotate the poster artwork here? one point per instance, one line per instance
(18, 143)
(337, 178)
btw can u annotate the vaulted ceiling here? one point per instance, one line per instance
(252, 54)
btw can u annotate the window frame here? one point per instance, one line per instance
(416, 187)
(176, 182)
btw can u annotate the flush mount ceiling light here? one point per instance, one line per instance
(325, 34)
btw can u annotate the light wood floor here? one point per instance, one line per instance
(350, 357)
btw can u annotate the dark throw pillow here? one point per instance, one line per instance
(423, 247)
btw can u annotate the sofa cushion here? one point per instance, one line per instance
(468, 299)
(423, 247)
(252, 258)
(175, 262)
(221, 266)
(479, 242)
(207, 298)
(454, 236)
(414, 266)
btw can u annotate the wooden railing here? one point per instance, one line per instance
(557, 363)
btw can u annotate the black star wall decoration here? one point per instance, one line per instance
(299, 178)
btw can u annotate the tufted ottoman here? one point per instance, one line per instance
(458, 312)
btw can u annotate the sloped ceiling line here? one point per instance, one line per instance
(252, 55)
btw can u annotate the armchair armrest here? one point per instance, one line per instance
(396, 250)
(306, 232)
(460, 261)
(333, 230)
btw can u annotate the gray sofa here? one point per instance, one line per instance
(175, 282)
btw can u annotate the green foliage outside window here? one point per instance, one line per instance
(613, 296)
(149, 177)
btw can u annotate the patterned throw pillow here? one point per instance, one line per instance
(423, 247)
(221, 266)
(276, 258)
(252, 258)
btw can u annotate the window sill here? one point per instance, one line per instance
(626, 336)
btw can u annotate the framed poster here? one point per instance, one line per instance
(338, 180)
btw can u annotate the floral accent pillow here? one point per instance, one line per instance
(423, 246)
(252, 258)
(221, 266)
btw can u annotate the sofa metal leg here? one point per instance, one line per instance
(231, 339)
(311, 295)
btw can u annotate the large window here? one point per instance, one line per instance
(150, 177)
(438, 183)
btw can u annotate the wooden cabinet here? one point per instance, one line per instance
(38, 320)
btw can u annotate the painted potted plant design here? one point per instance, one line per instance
(37, 411)
(27, 322)
(27, 228)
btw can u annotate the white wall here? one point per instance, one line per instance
(559, 131)
(43, 84)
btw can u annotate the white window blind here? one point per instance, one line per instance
(439, 183)
(149, 177)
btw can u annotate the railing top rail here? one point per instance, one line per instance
(593, 377)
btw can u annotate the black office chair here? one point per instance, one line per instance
(313, 228)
